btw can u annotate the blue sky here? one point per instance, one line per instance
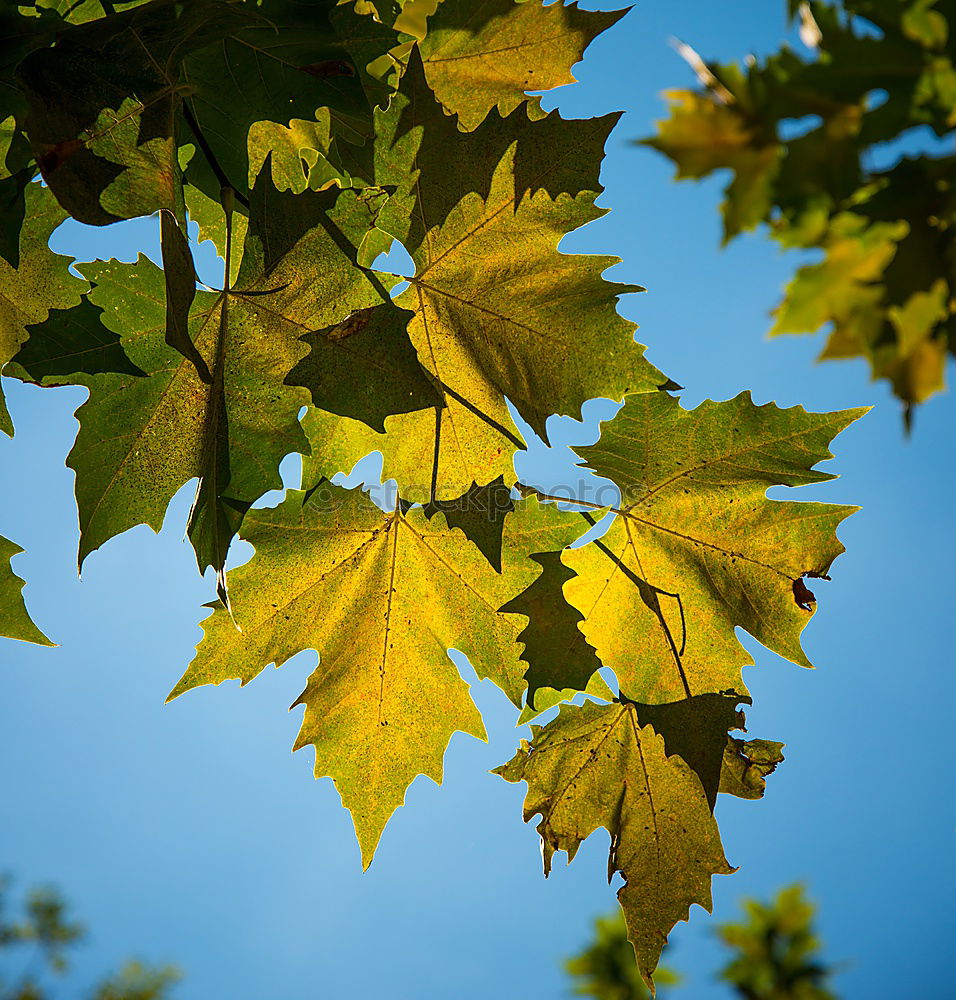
(190, 833)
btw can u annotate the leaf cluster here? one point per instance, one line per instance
(306, 139)
(34, 949)
(805, 137)
(773, 954)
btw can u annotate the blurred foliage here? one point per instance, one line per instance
(814, 141)
(776, 953)
(606, 969)
(34, 947)
(774, 956)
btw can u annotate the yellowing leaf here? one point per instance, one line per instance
(698, 548)
(40, 283)
(595, 766)
(846, 284)
(746, 766)
(528, 323)
(482, 54)
(471, 448)
(382, 597)
(806, 141)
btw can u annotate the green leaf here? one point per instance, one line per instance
(606, 969)
(296, 276)
(288, 61)
(101, 107)
(886, 278)
(559, 658)
(382, 597)
(179, 273)
(480, 515)
(698, 548)
(487, 54)
(703, 135)
(72, 342)
(80, 11)
(844, 288)
(40, 283)
(595, 766)
(365, 368)
(15, 623)
(775, 951)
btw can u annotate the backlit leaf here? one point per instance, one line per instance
(595, 766)
(698, 548)
(482, 54)
(15, 623)
(40, 283)
(382, 597)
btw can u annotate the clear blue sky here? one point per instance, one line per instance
(191, 834)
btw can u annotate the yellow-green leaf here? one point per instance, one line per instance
(141, 439)
(594, 767)
(382, 597)
(40, 283)
(15, 623)
(531, 324)
(699, 548)
(482, 54)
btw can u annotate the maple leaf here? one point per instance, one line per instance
(69, 343)
(77, 11)
(560, 662)
(844, 288)
(695, 729)
(434, 454)
(108, 101)
(21, 35)
(102, 103)
(485, 55)
(480, 515)
(40, 283)
(596, 766)
(531, 324)
(382, 597)
(698, 548)
(296, 277)
(15, 623)
(341, 358)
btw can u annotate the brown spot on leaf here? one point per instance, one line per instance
(803, 595)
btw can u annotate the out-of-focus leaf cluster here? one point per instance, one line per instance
(824, 148)
(774, 954)
(35, 947)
